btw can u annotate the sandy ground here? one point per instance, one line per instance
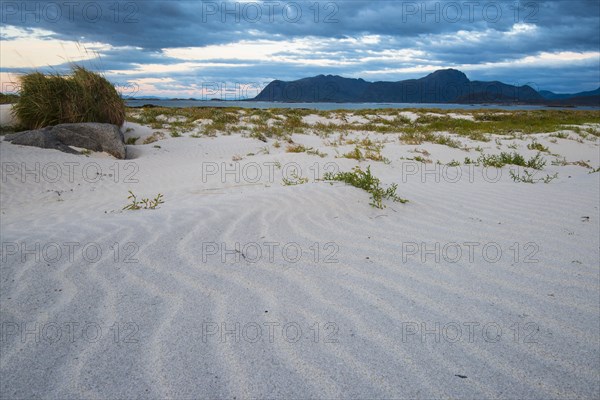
(240, 287)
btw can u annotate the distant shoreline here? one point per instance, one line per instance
(178, 103)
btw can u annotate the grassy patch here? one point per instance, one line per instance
(147, 204)
(296, 148)
(180, 120)
(365, 149)
(419, 137)
(528, 177)
(294, 180)
(82, 96)
(366, 181)
(316, 152)
(514, 158)
(535, 145)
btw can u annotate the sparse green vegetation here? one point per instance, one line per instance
(296, 148)
(294, 180)
(528, 177)
(560, 135)
(132, 140)
(514, 158)
(415, 137)
(257, 134)
(535, 145)
(355, 154)
(431, 125)
(316, 152)
(146, 204)
(422, 159)
(366, 149)
(156, 136)
(373, 154)
(366, 181)
(181, 120)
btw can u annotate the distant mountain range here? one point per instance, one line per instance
(443, 86)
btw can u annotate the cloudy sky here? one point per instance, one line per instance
(232, 49)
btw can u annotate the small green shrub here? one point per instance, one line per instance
(83, 96)
(560, 135)
(355, 154)
(514, 158)
(370, 151)
(145, 204)
(257, 134)
(295, 180)
(527, 177)
(422, 160)
(537, 146)
(296, 148)
(316, 152)
(132, 140)
(366, 181)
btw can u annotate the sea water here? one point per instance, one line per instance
(337, 106)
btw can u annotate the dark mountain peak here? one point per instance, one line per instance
(448, 75)
(442, 86)
(322, 77)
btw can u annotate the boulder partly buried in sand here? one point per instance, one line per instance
(90, 135)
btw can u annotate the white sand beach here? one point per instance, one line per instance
(239, 286)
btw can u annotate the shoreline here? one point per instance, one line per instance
(250, 104)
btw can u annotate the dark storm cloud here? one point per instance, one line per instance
(444, 34)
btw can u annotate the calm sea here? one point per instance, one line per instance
(337, 106)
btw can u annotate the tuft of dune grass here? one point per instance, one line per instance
(82, 96)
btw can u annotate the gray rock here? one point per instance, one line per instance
(90, 135)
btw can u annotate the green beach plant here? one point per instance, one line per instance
(82, 96)
(528, 177)
(535, 145)
(294, 180)
(145, 204)
(514, 158)
(369, 183)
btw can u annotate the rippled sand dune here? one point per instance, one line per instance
(241, 287)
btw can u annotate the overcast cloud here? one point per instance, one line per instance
(199, 48)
